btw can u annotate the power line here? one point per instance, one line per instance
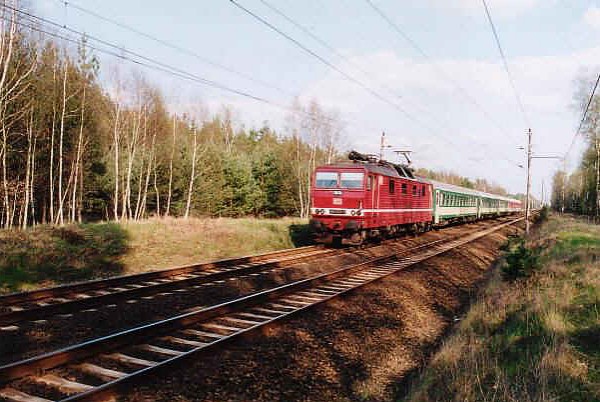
(153, 65)
(584, 116)
(170, 45)
(320, 58)
(505, 63)
(333, 67)
(395, 27)
(307, 31)
(174, 47)
(181, 49)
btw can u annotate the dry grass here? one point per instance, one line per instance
(161, 243)
(47, 256)
(533, 340)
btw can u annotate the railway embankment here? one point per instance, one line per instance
(366, 345)
(533, 333)
(47, 256)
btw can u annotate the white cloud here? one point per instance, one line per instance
(592, 17)
(451, 130)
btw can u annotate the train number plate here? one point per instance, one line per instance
(337, 201)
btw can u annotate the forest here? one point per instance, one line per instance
(75, 147)
(578, 192)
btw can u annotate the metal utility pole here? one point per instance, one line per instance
(528, 181)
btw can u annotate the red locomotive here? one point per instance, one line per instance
(367, 198)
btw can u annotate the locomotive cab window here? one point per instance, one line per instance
(326, 180)
(392, 186)
(404, 188)
(423, 191)
(414, 190)
(352, 180)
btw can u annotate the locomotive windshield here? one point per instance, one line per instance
(352, 180)
(326, 179)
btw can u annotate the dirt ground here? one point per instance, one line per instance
(366, 346)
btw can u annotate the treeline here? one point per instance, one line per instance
(77, 148)
(457, 180)
(579, 191)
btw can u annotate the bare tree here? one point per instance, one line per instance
(78, 157)
(28, 174)
(12, 85)
(169, 195)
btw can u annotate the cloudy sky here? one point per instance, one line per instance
(434, 82)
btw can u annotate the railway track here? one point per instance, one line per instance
(66, 299)
(105, 367)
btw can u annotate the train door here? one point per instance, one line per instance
(374, 184)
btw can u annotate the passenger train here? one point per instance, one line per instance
(368, 198)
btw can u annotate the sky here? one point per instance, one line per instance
(434, 81)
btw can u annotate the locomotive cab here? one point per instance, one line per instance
(338, 197)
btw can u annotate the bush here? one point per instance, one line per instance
(520, 262)
(543, 215)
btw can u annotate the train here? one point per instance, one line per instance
(367, 198)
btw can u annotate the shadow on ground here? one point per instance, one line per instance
(301, 235)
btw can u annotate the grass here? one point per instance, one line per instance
(161, 243)
(46, 255)
(530, 339)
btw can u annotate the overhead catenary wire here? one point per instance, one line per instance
(395, 27)
(347, 76)
(505, 64)
(323, 60)
(332, 49)
(156, 66)
(175, 47)
(122, 53)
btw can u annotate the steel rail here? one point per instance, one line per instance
(166, 280)
(20, 297)
(281, 302)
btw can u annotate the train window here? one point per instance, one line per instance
(392, 186)
(326, 179)
(352, 180)
(414, 190)
(370, 182)
(423, 191)
(404, 188)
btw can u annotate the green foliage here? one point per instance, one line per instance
(520, 262)
(577, 192)
(534, 341)
(105, 154)
(543, 215)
